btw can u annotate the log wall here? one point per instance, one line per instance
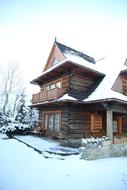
(81, 83)
(75, 123)
(79, 123)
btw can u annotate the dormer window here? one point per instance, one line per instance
(54, 62)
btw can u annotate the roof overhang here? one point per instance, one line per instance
(64, 67)
(108, 100)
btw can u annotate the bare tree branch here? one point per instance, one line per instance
(11, 86)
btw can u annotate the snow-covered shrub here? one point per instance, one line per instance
(21, 121)
(93, 142)
(4, 119)
(15, 129)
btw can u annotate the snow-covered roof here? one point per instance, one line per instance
(75, 60)
(111, 66)
(67, 51)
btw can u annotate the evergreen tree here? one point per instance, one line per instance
(32, 117)
(21, 110)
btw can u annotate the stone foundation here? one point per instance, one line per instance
(106, 150)
(74, 143)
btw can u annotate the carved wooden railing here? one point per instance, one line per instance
(43, 96)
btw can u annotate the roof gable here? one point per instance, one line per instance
(60, 52)
(55, 56)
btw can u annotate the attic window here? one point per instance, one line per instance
(54, 62)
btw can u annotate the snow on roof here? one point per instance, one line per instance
(80, 61)
(111, 66)
(68, 50)
(76, 60)
(51, 68)
(67, 97)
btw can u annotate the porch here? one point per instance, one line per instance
(111, 124)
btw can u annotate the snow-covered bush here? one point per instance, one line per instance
(15, 129)
(93, 142)
(20, 121)
(4, 119)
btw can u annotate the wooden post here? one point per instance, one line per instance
(110, 124)
(119, 124)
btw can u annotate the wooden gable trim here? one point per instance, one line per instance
(56, 50)
(120, 84)
(51, 51)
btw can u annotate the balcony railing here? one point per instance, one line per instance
(43, 96)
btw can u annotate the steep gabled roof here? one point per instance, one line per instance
(60, 52)
(68, 51)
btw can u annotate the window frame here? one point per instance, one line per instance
(46, 114)
(48, 85)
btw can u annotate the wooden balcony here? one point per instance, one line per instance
(43, 96)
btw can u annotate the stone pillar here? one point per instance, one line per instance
(110, 124)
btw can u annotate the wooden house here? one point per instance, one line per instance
(80, 97)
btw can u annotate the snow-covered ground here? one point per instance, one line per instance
(22, 168)
(45, 145)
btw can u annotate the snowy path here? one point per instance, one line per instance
(22, 168)
(48, 146)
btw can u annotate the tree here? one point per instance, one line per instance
(15, 116)
(32, 117)
(10, 88)
(21, 110)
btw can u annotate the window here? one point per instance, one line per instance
(58, 84)
(124, 85)
(51, 120)
(47, 87)
(54, 62)
(115, 130)
(53, 85)
(46, 121)
(57, 121)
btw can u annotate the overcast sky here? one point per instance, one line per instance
(28, 29)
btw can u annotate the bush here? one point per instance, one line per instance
(15, 129)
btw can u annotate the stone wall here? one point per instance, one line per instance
(106, 150)
(70, 142)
